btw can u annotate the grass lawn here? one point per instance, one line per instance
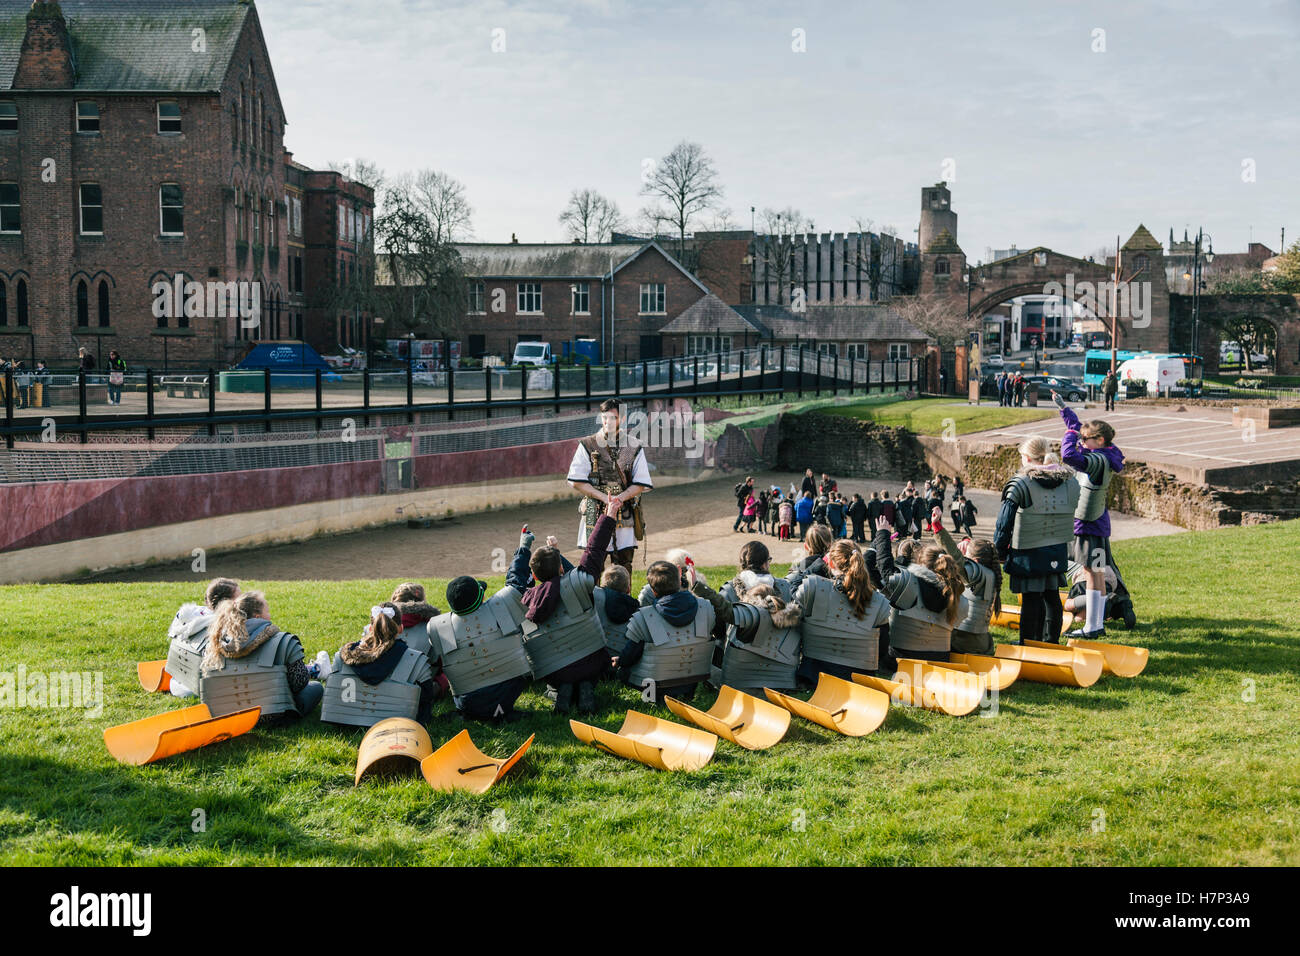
(1197, 761)
(930, 416)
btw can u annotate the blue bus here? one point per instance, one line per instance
(1096, 363)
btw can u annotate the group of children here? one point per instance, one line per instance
(840, 609)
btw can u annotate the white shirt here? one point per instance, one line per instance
(580, 470)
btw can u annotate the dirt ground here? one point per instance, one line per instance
(697, 516)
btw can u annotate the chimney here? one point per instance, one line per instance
(45, 60)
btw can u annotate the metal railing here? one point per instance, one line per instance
(265, 397)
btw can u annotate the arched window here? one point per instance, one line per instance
(103, 303)
(83, 304)
(22, 301)
(941, 267)
(4, 304)
(234, 127)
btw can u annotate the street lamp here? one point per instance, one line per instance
(1195, 276)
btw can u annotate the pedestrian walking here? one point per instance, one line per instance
(116, 377)
(1109, 389)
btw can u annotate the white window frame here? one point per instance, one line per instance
(161, 230)
(705, 344)
(583, 290)
(657, 290)
(524, 291)
(171, 119)
(81, 210)
(860, 351)
(79, 118)
(829, 349)
(899, 352)
(15, 205)
(477, 294)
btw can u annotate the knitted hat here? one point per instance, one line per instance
(465, 594)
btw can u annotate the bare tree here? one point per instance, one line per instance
(682, 185)
(361, 170)
(440, 201)
(423, 216)
(939, 315)
(590, 217)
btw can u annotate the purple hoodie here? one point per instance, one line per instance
(1074, 454)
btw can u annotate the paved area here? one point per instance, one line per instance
(697, 516)
(1189, 443)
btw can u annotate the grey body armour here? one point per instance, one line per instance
(417, 638)
(917, 628)
(615, 634)
(1049, 518)
(571, 633)
(350, 700)
(769, 660)
(674, 653)
(831, 631)
(185, 657)
(1092, 498)
(485, 647)
(258, 680)
(976, 605)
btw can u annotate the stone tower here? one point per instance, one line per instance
(1145, 323)
(936, 215)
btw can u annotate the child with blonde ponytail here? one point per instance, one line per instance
(245, 648)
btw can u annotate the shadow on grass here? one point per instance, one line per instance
(1219, 644)
(141, 806)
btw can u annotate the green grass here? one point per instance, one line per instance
(931, 416)
(1183, 767)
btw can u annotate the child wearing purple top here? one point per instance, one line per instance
(1088, 448)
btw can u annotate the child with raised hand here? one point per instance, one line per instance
(982, 596)
(1089, 449)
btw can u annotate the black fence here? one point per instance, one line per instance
(192, 401)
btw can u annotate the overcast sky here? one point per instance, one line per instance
(1052, 143)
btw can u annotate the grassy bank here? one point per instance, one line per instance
(931, 416)
(1194, 762)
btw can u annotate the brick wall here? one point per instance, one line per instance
(130, 160)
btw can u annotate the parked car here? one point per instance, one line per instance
(532, 353)
(995, 359)
(1069, 390)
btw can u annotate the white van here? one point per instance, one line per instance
(1162, 374)
(532, 353)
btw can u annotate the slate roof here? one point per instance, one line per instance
(709, 314)
(831, 322)
(944, 243)
(1142, 239)
(544, 260)
(136, 45)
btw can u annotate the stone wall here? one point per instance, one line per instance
(847, 448)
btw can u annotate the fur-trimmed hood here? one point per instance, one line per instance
(191, 619)
(747, 583)
(1049, 476)
(415, 612)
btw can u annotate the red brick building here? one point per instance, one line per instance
(338, 239)
(139, 140)
(620, 294)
